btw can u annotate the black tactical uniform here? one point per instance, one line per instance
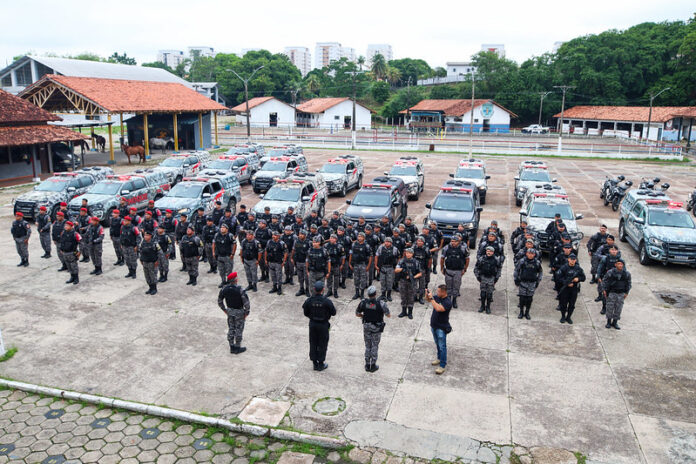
(263, 235)
(487, 271)
(336, 257)
(422, 255)
(289, 240)
(224, 247)
(569, 289)
(170, 229)
(372, 312)
(179, 233)
(275, 254)
(299, 256)
(56, 231)
(360, 254)
(317, 265)
(319, 310)
(235, 303)
(208, 235)
(454, 263)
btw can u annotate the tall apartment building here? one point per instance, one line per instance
(326, 52)
(498, 49)
(383, 49)
(202, 51)
(171, 58)
(301, 57)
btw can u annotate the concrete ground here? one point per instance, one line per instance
(617, 396)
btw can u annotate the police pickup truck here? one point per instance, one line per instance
(203, 190)
(658, 228)
(529, 174)
(343, 173)
(384, 196)
(277, 168)
(539, 209)
(411, 170)
(183, 165)
(473, 170)
(456, 203)
(238, 164)
(304, 191)
(60, 187)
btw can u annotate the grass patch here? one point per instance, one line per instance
(255, 447)
(308, 448)
(582, 459)
(8, 354)
(230, 441)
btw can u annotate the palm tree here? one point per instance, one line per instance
(293, 88)
(393, 75)
(361, 62)
(312, 83)
(379, 66)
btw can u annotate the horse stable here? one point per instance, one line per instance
(161, 110)
(29, 145)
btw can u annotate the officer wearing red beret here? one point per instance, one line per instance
(43, 224)
(56, 231)
(94, 236)
(235, 303)
(20, 233)
(81, 224)
(69, 246)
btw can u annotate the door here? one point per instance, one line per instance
(634, 230)
(351, 173)
(347, 122)
(43, 159)
(486, 125)
(273, 119)
(141, 190)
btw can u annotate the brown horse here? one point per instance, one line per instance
(133, 151)
(100, 142)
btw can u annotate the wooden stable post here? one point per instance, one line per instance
(176, 132)
(216, 128)
(147, 136)
(200, 130)
(122, 137)
(111, 141)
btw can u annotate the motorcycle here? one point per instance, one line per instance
(649, 184)
(609, 184)
(691, 203)
(618, 193)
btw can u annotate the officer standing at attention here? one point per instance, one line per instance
(359, 260)
(21, 230)
(218, 213)
(275, 255)
(527, 275)
(516, 234)
(616, 284)
(150, 254)
(43, 225)
(57, 230)
(318, 264)
(422, 255)
(487, 272)
(439, 241)
(387, 256)
(570, 276)
(319, 310)
(170, 224)
(115, 234)
(208, 235)
(409, 272)
(224, 246)
(251, 255)
(298, 257)
(95, 236)
(337, 258)
(263, 235)
(81, 223)
(167, 246)
(593, 244)
(180, 233)
(454, 263)
(69, 247)
(149, 223)
(130, 239)
(191, 249)
(289, 218)
(235, 303)
(347, 243)
(372, 311)
(288, 238)
(242, 217)
(232, 225)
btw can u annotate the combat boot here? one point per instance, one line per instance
(254, 288)
(190, 281)
(183, 268)
(93, 271)
(21, 263)
(274, 289)
(568, 319)
(489, 300)
(521, 314)
(374, 367)
(410, 312)
(362, 293)
(420, 299)
(335, 293)
(233, 349)
(434, 270)
(615, 324)
(604, 310)
(153, 291)
(149, 290)
(300, 292)
(72, 279)
(99, 271)
(368, 367)
(609, 324)
(130, 273)
(166, 274)
(222, 284)
(563, 317)
(76, 279)
(529, 306)
(241, 349)
(248, 287)
(194, 281)
(389, 298)
(161, 277)
(63, 268)
(85, 259)
(357, 295)
(343, 283)
(454, 302)
(483, 303)
(134, 274)
(280, 289)
(403, 312)
(383, 296)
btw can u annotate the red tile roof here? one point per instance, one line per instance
(627, 113)
(16, 110)
(454, 107)
(119, 95)
(253, 102)
(319, 105)
(35, 134)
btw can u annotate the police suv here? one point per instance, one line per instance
(384, 196)
(473, 170)
(183, 165)
(529, 174)
(540, 208)
(202, 190)
(343, 173)
(252, 152)
(411, 170)
(304, 191)
(277, 168)
(658, 228)
(238, 164)
(458, 202)
(61, 187)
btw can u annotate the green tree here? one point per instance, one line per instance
(412, 69)
(439, 72)
(122, 59)
(380, 91)
(158, 64)
(361, 62)
(393, 75)
(401, 100)
(313, 82)
(379, 67)
(86, 56)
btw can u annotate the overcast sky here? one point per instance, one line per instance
(435, 31)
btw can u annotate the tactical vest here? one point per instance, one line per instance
(488, 266)
(301, 248)
(57, 231)
(19, 229)
(169, 224)
(208, 233)
(275, 251)
(529, 271)
(361, 253)
(223, 244)
(148, 251)
(455, 258)
(372, 311)
(189, 247)
(317, 260)
(420, 254)
(164, 242)
(619, 285)
(334, 252)
(115, 227)
(128, 236)
(68, 241)
(250, 250)
(387, 257)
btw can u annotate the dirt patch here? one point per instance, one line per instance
(674, 299)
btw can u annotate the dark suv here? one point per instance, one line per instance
(458, 202)
(385, 196)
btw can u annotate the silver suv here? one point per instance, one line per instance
(238, 164)
(181, 165)
(411, 170)
(304, 191)
(473, 170)
(277, 168)
(528, 175)
(539, 210)
(203, 190)
(342, 174)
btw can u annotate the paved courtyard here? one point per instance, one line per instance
(617, 396)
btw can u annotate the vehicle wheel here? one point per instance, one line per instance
(606, 200)
(344, 190)
(518, 202)
(177, 180)
(359, 182)
(232, 204)
(622, 231)
(643, 255)
(615, 204)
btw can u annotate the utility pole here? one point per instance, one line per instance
(564, 89)
(652, 97)
(471, 119)
(353, 134)
(246, 96)
(541, 103)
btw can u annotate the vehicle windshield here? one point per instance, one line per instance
(403, 171)
(274, 166)
(333, 168)
(469, 173)
(237, 150)
(371, 198)
(277, 152)
(549, 210)
(186, 190)
(221, 164)
(172, 163)
(52, 185)
(283, 193)
(670, 218)
(535, 176)
(449, 202)
(106, 188)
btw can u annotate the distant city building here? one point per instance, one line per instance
(557, 45)
(326, 52)
(171, 58)
(202, 51)
(383, 49)
(301, 57)
(498, 49)
(456, 68)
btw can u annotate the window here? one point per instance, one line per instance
(216, 186)
(350, 167)
(127, 186)
(310, 189)
(337, 117)
(138, 184)
(85, 181)
(75, 183)
(6, 81)
(24, 75)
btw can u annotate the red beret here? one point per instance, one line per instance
(42, 208)
(232, 275)
(94, 218)
(169, 211)
(127, 218)
(62, 203)
(116, 211)
(151, 201)
(83, 209)
(148, 212)
(69, 223)
(60, 213)
(19, 213)
(133, 208)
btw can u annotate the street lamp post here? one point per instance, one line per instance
(246, 96)
(564, 89)
(652, 97)
(353, 134)
(541, 103)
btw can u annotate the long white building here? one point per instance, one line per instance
(326, 52)
(382, 49)
(301, 57)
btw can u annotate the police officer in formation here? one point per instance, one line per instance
(56, 231)
(288, 237)
(150, 255)
(318, 263)
(593, 244)
(21, 230)
(251, 255)
(191, 250)
(569, 276)
(224, 247)
(94, 236)
(298, 258)
(318, 309)
(421, 254)
(69, 246)
(43, 225)
(454, 264)
(359, 260)
(81, 223)
(234, 302)
(616, 285)
(263, 235)
(242, 216)
(487, 271)
(169, 223)
(386, 257)
(372, 311)
(207, 236)
(515, 237)
(130, 239)
(115, 223)
(607, 262)
(275, 255)
(528, 274)
(337, 257)
(409, 271)
(179, 234)
(166, 244)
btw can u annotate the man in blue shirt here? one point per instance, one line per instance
(439, 324)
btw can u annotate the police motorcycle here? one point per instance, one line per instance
(649, 184)
(691, 203)
(609, 184)
(617, 193)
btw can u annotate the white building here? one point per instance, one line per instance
(456, 116)
(498, 49)
(333, 114)
(202, 50)
(456, 68)
(171, 58)
(301, 57)
(326, 52)
(266, 112)
(383, 49)
(348, 53)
